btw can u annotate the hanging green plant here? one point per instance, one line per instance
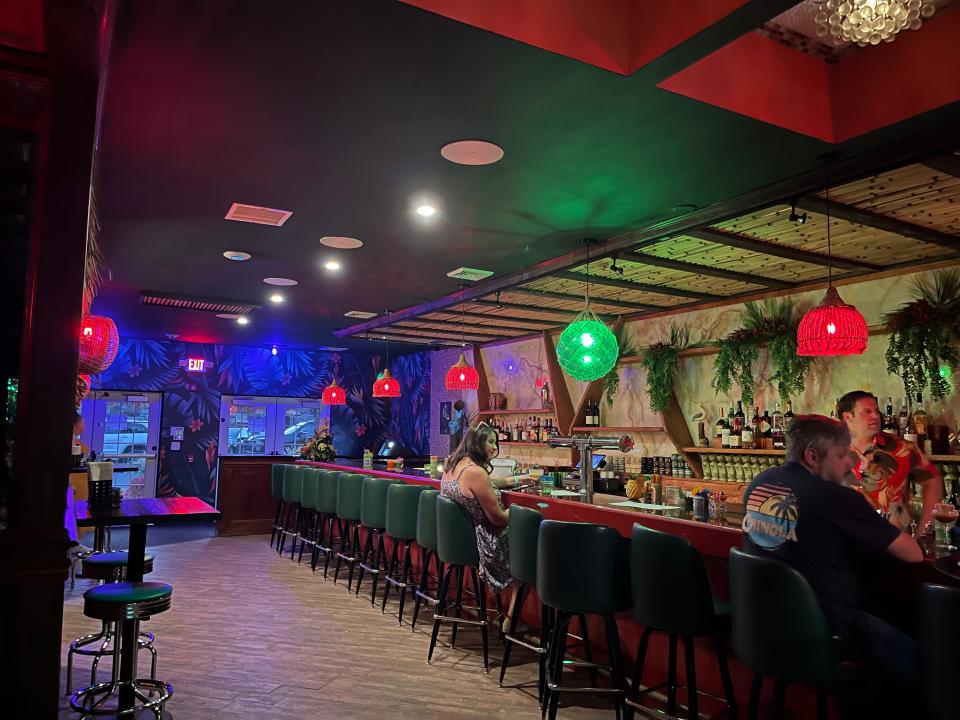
(774, 323)
(660, 363)
(925, 335)
(611, 381)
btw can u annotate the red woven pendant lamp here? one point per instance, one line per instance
(333, 394)
(386, 386)
(462, 375)
(99, 343)
(833, 327)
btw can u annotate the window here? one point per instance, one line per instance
(268, 426)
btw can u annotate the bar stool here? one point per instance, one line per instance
(108, 567)
(373, 519)
(349, 507)
(671, 594)
(122, 603)
(939, 662)
(427, 540)
(403, 505)
(581, 570)
(779, 629)
(326, 518)
(310, 477)
(292, 489)
(457, 549)
(276, 491)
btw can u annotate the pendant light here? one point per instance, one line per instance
(333, 394)
(386, 386)
(833, 327)
(99, 343)
(587, 349)
(462, 375)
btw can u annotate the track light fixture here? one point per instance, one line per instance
(794, 217)
(614, 268)
(499, 306)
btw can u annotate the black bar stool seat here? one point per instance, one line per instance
(403, 507)
(120, 603)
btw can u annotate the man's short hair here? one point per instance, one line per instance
(849, 401)
(814, 431)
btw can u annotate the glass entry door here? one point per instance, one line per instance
(124, 428)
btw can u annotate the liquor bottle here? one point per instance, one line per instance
(739, 419)
(537, 430)
(748, 434)
(516, 431)
(720, 425)
(778, 438)
(921, 421)
(903, 419)
(766, 423)
(889, 419)
(778, 419)
(788, 415)
(596, 414)
(736, 434)
(725, 431)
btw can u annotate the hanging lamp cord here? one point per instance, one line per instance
(587, 243)
(826, 166)
(463, 316)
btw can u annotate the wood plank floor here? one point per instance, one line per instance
(252, 635)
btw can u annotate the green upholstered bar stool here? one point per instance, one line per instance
(427, 540)
(582, 569)
(939, 661)
(276, 490)
(121, 603)
(779, 630)
(457, 549)
(108, 567)
(524, 529)
(292, 489)
(349, 509)
(326, 518)
(403, 507)
(373, 519)
(310, 477)
(671, 594)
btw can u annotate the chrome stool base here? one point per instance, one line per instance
(78, 647)
(86, 703)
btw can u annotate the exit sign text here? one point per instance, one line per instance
(196, 364)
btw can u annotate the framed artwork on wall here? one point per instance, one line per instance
(445, 411)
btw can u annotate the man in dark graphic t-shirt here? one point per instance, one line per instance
(804, 514)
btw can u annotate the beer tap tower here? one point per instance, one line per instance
(586, 444)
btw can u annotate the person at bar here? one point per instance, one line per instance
(466, 481)
(886, 467)
(803, 513)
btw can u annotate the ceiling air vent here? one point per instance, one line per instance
(362, 314)
(258, 215)
(183, 302)
(469, 274)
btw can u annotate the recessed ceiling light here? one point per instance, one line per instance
(242, 320)
(332, 265)
(426, 210)
(341, 243)
(228, 316)
(236, 255)
(472, 152)
(287, 282)
(276, 298)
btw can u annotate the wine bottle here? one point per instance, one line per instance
(788, 415)
(889, 419)
(720, 425)
(749, 434)
(739, 419)
(903, 420)
(921, 421)
(778, 419)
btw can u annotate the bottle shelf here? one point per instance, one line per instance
(944, 458)
(529, 411)
(524, 442)
(638, 429)
(731, 451)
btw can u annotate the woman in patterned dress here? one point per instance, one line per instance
(466, 481)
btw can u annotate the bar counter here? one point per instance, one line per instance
(889, 595)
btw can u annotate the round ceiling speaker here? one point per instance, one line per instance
(472, 152)
(341, 243)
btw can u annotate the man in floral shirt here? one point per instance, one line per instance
(885, 467)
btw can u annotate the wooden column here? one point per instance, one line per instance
(33, 559)
(594, 391)
(675, 425)
(562, 405)
(483, 389)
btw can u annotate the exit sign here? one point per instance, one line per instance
(196, 364)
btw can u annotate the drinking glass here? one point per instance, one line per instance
(945, 515)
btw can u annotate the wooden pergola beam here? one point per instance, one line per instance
(698, 269)
(579, 298)
(530, 323)
(880, 222)
(456, 325)
(635, 286)
(533, 308)
(763, 247)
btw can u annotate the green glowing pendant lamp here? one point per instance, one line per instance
(587, 349)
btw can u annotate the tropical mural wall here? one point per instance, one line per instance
(192, 400)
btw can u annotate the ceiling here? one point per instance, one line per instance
(337, 111)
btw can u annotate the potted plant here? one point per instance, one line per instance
(319, 448)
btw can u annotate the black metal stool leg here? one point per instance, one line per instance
(363, 558)
(688, 653)
(481, 587)
(458, 604)
(672, 678)
(725, 674)
(379, 564)
(587, 650)
(354, 544)
(391, 573)
(440, 610)
(755, 689)
(561, 627)
(779, 698)
(422, 589)
(511, 631)
(634, 693)
(616, 670)
(407, 578)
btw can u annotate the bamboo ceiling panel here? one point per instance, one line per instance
(635, 271)
(478, 330)
(850, 240)
(497, 318)
(532, 312)
(711, 254)
(408, 333)
(916, 194)
(599, 293)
